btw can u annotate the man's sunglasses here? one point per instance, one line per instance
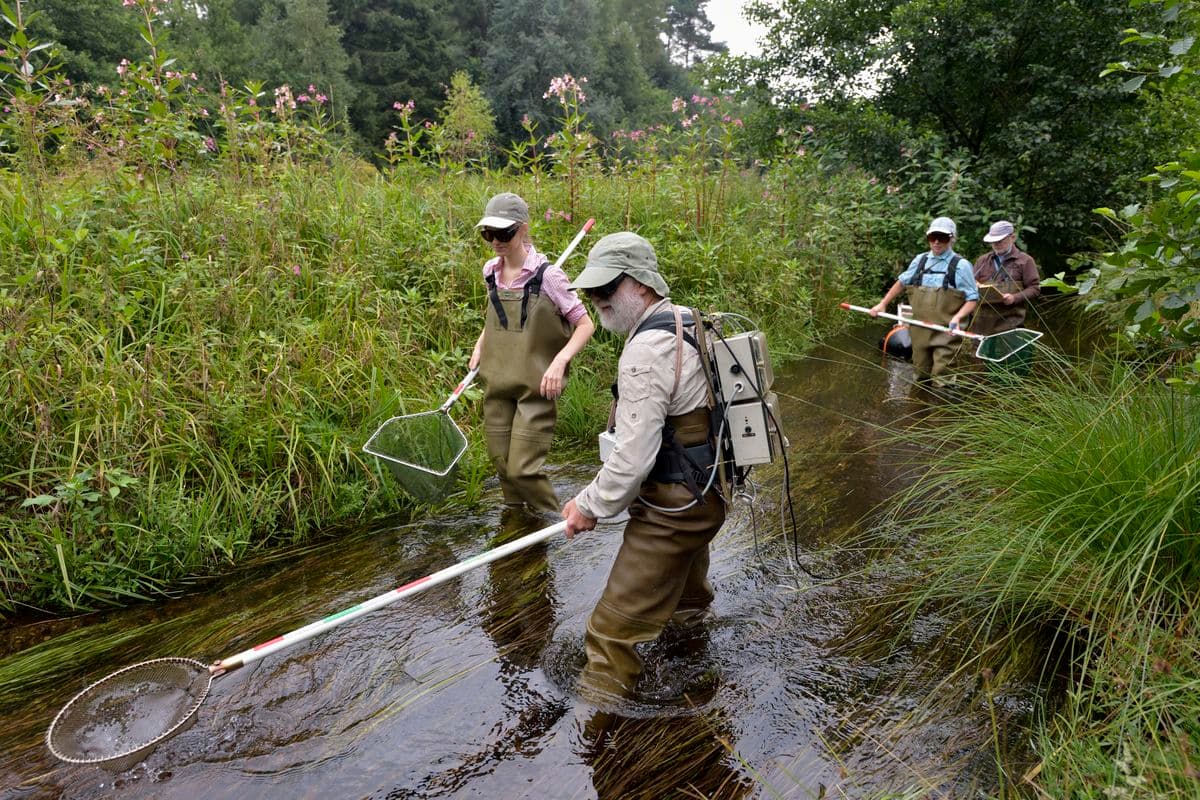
(938, 237)
(607, 290)
(505, 235)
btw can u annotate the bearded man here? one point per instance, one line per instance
(662, 445)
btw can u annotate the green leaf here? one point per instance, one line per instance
(1181, 46)
(1133, 84)
(40, 500)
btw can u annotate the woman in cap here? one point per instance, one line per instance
(534, 326)
(941, 288)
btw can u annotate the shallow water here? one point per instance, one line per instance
(799, 686)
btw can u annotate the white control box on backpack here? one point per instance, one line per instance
(743, 359)
(743, 370)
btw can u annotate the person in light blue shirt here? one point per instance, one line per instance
(940, 285)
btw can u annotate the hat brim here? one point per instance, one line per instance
(496, 222)
(989, 238)
(593, 277)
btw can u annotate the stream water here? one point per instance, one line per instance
(798, 688)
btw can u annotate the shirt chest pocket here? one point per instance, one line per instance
(636, 383)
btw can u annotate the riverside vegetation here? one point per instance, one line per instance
(207, 303)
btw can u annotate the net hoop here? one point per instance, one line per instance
(460, 445)
(1025, 336)
(66, 722)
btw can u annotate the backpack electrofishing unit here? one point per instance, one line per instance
(744, 427)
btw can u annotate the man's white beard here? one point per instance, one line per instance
(627, 307)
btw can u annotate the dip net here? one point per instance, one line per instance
(120, 718)
(421, 451)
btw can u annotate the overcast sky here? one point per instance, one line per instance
(730, 27)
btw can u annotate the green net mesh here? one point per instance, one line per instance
(1003, 347)
(421, 451)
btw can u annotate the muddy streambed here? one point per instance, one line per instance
(794, 690)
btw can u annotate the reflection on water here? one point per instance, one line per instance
(797, 685)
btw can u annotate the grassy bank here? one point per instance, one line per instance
(1071, 503)
(190, 362)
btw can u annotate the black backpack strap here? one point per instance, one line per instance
(665, 321)
(495, 296)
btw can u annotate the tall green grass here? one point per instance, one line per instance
(1071, 501)
(189, 366)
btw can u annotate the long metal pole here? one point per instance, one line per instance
(933, 326)
(407, 590)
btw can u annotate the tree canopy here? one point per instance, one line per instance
(1016, 84)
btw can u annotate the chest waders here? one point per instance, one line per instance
(933, 351)
(992, 315)
(660, 573)
(524, 331)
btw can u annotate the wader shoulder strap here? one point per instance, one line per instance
(495, 298)
(949, 281)
(999, 270)
(533, 287)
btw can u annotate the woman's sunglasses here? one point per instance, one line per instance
(607, 290)
(505, 235)
(938, 237)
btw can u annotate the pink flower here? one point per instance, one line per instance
(549, 214)
(123, 67)
(678, 105)
(295, 269)
(322, 99)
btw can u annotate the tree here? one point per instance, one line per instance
(94, 36)
(399, 50)
(296, 44)
(466, 117)
(689, 32)
(532, 41)
(1014, 83)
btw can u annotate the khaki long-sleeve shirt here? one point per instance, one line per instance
(645, 377)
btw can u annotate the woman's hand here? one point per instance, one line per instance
(554, 381)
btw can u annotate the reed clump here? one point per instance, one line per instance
(1071, 502)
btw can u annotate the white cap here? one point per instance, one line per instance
(943, 225)
(998, 231)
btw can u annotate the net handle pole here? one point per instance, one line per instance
(933, 326)
(458, 390)
(387, 598)
(587, 226)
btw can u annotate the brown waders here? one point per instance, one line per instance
(933, 351)
(524, 331)
(992, 315)
(660, 573)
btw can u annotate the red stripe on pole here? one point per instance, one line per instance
(417, 582)
(269, 643)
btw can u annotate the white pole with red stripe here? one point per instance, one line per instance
(407, 590)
